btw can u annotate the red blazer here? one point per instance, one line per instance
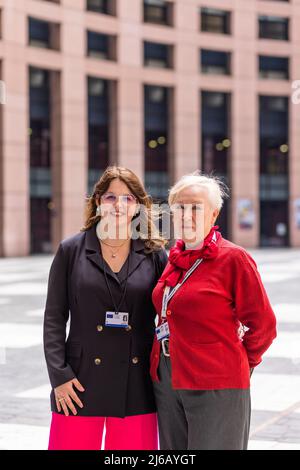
(205, 350)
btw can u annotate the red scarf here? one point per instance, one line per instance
(182, 260)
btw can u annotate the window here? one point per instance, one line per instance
(157, 55)
(274, 169)
(101, 46)
(107, 7)
(40, 159)
(158, 11)
(215, 21)
(274, 67)
(157, 123)
(215, 62)
(273, 134)
(39, 33)
(98, 128)
(216, 142)
(39, 96)
(43, 34)
(273, 27)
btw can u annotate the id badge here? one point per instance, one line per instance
(162, 331)
(117, 320)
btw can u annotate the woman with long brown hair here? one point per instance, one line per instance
(103, 277)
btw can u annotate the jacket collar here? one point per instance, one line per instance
(93, 253)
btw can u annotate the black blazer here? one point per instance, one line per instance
(112, 364)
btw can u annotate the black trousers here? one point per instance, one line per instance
(200, 419)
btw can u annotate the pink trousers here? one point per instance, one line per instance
(71, 432)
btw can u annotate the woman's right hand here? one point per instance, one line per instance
(65, 393)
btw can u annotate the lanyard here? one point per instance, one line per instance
(116, 308)
(168, 295)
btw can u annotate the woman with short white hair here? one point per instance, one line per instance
(215, 322)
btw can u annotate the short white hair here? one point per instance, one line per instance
(216, 190)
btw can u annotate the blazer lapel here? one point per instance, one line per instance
(137, 255)
(93, 251)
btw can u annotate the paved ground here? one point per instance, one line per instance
(24, 407)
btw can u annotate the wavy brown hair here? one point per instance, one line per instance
(153, 240)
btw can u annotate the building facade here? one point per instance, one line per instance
(161, 87)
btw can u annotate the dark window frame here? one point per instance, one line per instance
(98, 124)
(100, 46)
(163, 16)
(265, 30)
(206, 16)
(220, 66)
(280, 69)
(49, 39)
(162, 53)
(108, 8)
(157, 115)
